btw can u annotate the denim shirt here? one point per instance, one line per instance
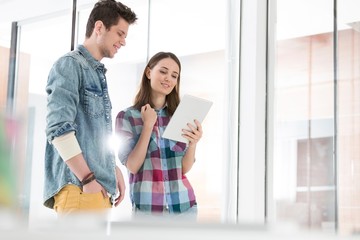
(78, 100)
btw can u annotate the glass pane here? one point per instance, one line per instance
(124, 72)
(198, 37)
(37, 54)
(349, 116)
(7, 179)
(136, 41)
(5, 35)
(304, 174)
(123, 75)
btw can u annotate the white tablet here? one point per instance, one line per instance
(189, 108)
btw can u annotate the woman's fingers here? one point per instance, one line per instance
(194, 133)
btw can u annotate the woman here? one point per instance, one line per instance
(157, 166)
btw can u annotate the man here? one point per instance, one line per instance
(80, 169)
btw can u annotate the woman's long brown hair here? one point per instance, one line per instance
(144, 94)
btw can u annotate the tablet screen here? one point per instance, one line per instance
(190, 108)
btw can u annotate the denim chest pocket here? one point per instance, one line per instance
(94, 103)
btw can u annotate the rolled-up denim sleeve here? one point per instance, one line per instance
(127, 140)
(62, 97)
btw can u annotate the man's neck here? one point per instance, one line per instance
(93, 50)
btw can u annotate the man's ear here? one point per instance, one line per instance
(98, 27)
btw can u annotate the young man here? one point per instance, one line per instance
(80, 169)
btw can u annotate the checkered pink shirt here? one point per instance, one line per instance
(159, 185)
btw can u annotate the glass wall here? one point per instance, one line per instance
(304, 166)
(30, 106)
(5, 39)
(316, 115)
(196, 36)
(313, 159)
(348, 116)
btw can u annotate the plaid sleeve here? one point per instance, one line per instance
(123, 130)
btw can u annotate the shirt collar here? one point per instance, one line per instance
(93, 62)
(161, 110)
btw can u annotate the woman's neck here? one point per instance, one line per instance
(158, 101)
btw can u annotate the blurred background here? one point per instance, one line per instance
(281, 142)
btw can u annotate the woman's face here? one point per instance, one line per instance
(163, 76)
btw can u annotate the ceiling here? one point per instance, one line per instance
(17, 10)
(21, 10)
(304, 20)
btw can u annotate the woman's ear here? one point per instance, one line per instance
(148, 71)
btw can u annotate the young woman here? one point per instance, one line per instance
(157, 166)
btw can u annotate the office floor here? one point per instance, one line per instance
(94, 228)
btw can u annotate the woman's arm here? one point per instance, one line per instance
(193, 135)
(137, 156)
(188, 159)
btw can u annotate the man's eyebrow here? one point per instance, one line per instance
(122, 32)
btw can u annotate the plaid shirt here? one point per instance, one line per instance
(159, 185)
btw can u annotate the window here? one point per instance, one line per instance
(316, 115)
(200, 43)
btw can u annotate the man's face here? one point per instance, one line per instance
(110, 41)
